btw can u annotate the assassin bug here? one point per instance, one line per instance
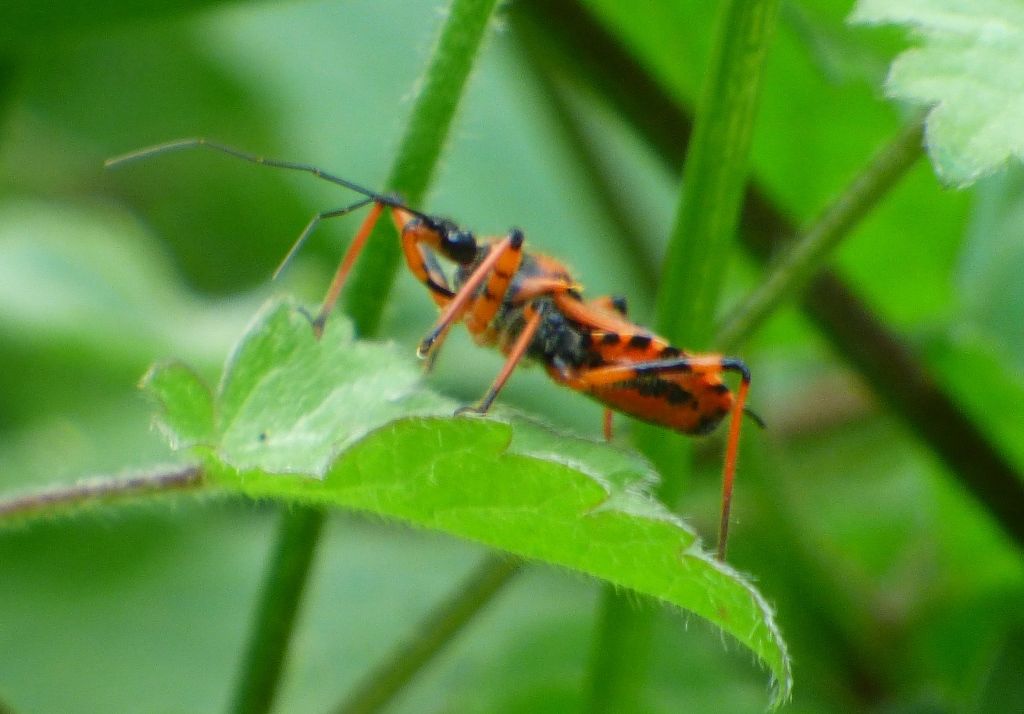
(528, 305)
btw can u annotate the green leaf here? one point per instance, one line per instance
(346, 423)
(188, 403)
(970, 69)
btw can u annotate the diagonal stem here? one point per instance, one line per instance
(436, 631)
(433, 113)
(810, 251)
(715, 173)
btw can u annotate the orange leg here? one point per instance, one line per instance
(486, 305)
(313, 223)
(431, 357)
(424, 268)
(612, 374)
(422, 262)
(519, 348)
(616, 304)
(729, 468)
(458, 303)
(531, 288)
(608, 415)
(345, 266)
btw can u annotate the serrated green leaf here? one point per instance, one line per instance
(970, 69)
(187, 417)
(346, 423)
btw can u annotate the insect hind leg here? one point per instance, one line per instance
(732, 449)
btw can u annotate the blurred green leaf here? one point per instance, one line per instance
(22, 23)
(992, 260)
(970, 69)
(1004, 687)
(288, 404)
(92, 278)
(225, 223)
(992, 393)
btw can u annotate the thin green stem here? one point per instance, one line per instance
(437, 630)
(277, 609)
(714, 179)
(442, 86)
(807, 254)
(432, 115)
(715, 173)
(621, 655)
(65, 499)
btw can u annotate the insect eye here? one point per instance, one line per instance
(460, 246)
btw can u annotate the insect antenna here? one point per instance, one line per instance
(200, 142)
(203, 143)
(754, 417)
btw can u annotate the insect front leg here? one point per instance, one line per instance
(341, 275)
(507, 253)
(519, 347)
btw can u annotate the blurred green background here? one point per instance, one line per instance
(896, 590)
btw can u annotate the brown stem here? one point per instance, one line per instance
(64, 498)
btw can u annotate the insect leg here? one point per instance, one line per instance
(732, 450)
(486, 304)
(423, 268)
(313, 223)
(709, 364)
(345, 266)
(607, 423)
(514, 356)
(422, 263)
(618, 304)
(455, 307)
(615, 303)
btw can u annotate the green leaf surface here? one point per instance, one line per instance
(318, 422)
(970, 68)
(188, 403)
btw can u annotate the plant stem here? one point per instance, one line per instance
(807, 254)
(442, 87)
(715, 173)
(714, 177)
(277, 609)
(431, 118)
(621, 655)
(437, 630)
(64, 499)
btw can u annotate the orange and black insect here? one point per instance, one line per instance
(528, 305)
